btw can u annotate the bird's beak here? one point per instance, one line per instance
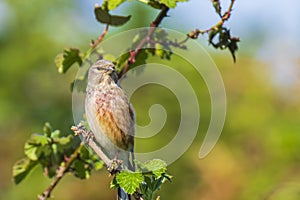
(111, 69)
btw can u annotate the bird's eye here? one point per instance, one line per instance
(99, 68)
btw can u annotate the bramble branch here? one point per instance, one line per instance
(225, 40)
(195, 34)
(145, 40)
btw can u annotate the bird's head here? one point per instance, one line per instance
(101, 70)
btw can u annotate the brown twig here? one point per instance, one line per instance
(134, 53)
(100, 38)
(61, 172)
(113, 165)
(81, 130)
(194, 34)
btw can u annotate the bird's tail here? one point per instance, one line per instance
(128, 160)
(131, 161)
(122, 195)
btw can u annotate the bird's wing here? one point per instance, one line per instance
(122, 112)
(123, 115)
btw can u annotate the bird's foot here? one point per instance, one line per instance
(88, 137)
(80, 130)
(114, 166)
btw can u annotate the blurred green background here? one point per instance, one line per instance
(258, 154)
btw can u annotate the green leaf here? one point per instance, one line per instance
(217, 6)
(63, 140)
(112, 4)
(22, 168)
(147, 180)
(104, 17)
(85, 153)
(159, 50)
(46, 150)
(114, 184)
(119, 20)
(143, 187)
(80, 170)
(39, 139)
(211, 35)
(31, 151)
(121, 61)
(109, 57)
(140, 59)
(147, 193)
(33, 147)
(167, 176)
(169, 3)
(88, 156)
(47, 129)
(224, 40)
(65, 60)
(153, 3)
(157, 183)
(129, 181)
(156, 166)
(233, 47)
(98, 165)
(54, 148)
(55, 134)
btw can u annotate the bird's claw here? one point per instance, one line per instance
(81, 130)
(88, 137)
(114, 166)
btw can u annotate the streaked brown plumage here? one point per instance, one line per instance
(109, 113)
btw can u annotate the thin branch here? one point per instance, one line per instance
(145, 40)
(100, 38)
(94, 44)
(194, 34)
(113, 165)
(87, 137)
(61, 172)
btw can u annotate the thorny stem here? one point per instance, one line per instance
(134, 53)
(61, 172)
